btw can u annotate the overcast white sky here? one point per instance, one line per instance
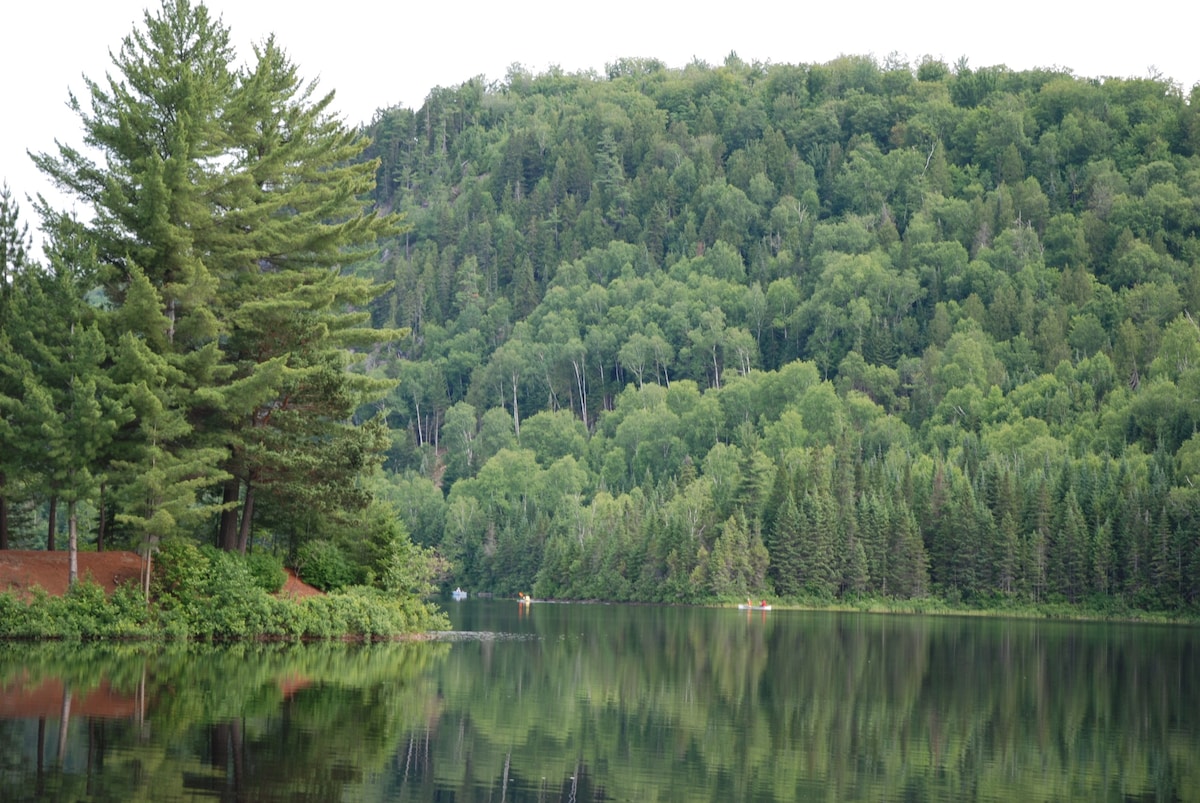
(376, 55)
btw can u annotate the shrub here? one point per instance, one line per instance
(208, 594)
(180, 570)
(267, 571)
(323, 565)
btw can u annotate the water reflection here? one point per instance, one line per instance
(576, 702)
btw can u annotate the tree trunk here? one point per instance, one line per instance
(95, 755)
(516, 417)
(227, 539)
(64, 719)
(53, 524)
(247, 519)
(103, 522)
(581, 382)
(41, 757)
(228, 754)
(147, 569)
(3, 512)
(72, 545)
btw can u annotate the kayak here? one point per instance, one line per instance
(745, 607)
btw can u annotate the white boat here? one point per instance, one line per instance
(745, 607)
(458, 593)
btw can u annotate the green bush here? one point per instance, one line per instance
(267, 571)
(367, 613)
(179, 570)
(201, 592)
(323, 565)
(85, 612)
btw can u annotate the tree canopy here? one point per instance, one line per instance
(224, 208)
(939, 308)
(832, 330)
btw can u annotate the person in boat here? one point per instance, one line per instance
(762, 604)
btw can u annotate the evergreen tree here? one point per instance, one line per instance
(236, 193)
(159, 474)
(786, 569)
(59, 402)
(874, 526)
(1067, 554)
(15, 245)
(908, 562)
(15, 242)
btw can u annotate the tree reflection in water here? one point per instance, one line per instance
(571, 702)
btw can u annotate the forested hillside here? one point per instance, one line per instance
(841, 330)
(812, 330)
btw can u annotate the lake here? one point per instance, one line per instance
(557, 702)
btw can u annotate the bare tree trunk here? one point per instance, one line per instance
(227, 538)
(148, 566)
(581, 382)
(72, 545)
(420, 432)
(516, 417)
(103, 522)
(53, 524)
(247, 519)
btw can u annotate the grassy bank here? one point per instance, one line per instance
(216, 596)
(1100, 610)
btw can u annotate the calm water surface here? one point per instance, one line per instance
(603, 702)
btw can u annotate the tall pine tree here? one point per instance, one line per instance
(14, 261)
(235, 192)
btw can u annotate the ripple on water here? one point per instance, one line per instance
(483, 635)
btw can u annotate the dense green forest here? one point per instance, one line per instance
(816, 331)
(831, 329)
(180, 366)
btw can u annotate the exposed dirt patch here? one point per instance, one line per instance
(23, 570)
(295, 587)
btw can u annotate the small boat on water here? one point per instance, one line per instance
(762, 606)
(458, 593)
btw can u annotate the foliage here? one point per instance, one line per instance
(918, 296)
(209, 594)
(322, 564)
(267, 571)
(912, 331)
(85, 612)
(223, 205)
